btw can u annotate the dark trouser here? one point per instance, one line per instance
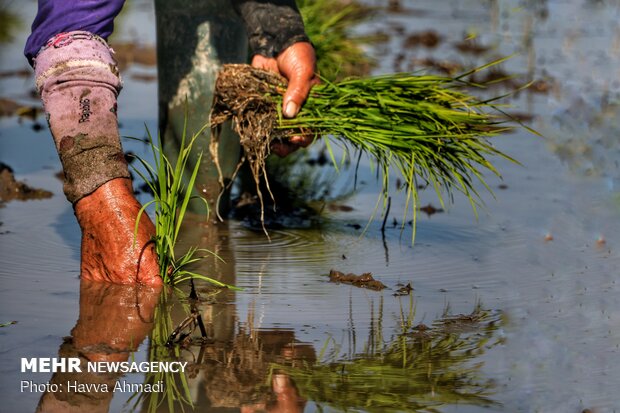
(194, 38)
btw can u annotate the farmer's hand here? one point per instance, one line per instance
(297, 63)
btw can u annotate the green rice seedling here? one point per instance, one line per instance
(171, 198)
(339, 53)
(425, 128)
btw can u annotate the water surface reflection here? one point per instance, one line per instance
(113, 321)
(543, 252)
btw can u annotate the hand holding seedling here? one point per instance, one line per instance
(426, 128)
(69, 45)
(297, 63)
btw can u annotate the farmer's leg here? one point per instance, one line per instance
(194, 38)
(112, 323)
(78, 80)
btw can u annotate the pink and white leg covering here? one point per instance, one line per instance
(78, 80)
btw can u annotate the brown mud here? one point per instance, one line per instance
(130, 53)
(450, 324)
(11, 189)
(404, 290)
(430, 210)
(471, 46)
(429, 39)
(8, 107)
(447, 67)
(365, 280)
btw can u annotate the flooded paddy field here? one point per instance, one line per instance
(515, 310)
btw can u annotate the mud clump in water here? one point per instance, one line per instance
(10, 189)
(428, 38)
(365, 280)
(8, 107)
(127, 54)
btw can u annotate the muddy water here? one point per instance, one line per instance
(541, 260)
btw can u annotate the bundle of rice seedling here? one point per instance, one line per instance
(424, 127)
(339, 52)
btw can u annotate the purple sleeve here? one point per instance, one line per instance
(59, 16)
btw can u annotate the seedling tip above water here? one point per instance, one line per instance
(172, 192)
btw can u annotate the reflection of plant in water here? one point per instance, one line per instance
(419, 368)
(231, 372)
(176, 393)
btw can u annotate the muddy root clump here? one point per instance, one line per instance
(251, 98)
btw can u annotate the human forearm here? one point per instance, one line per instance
(272, 26)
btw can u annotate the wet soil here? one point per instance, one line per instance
(8, 107)
(130, 53)
(365, 280)
(11, 189)
(246, 96)
(428, 39)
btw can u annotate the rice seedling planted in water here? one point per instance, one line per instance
(425, 128)
(172, 192)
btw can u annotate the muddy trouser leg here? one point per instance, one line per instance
(78, 80)
(194, 38)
